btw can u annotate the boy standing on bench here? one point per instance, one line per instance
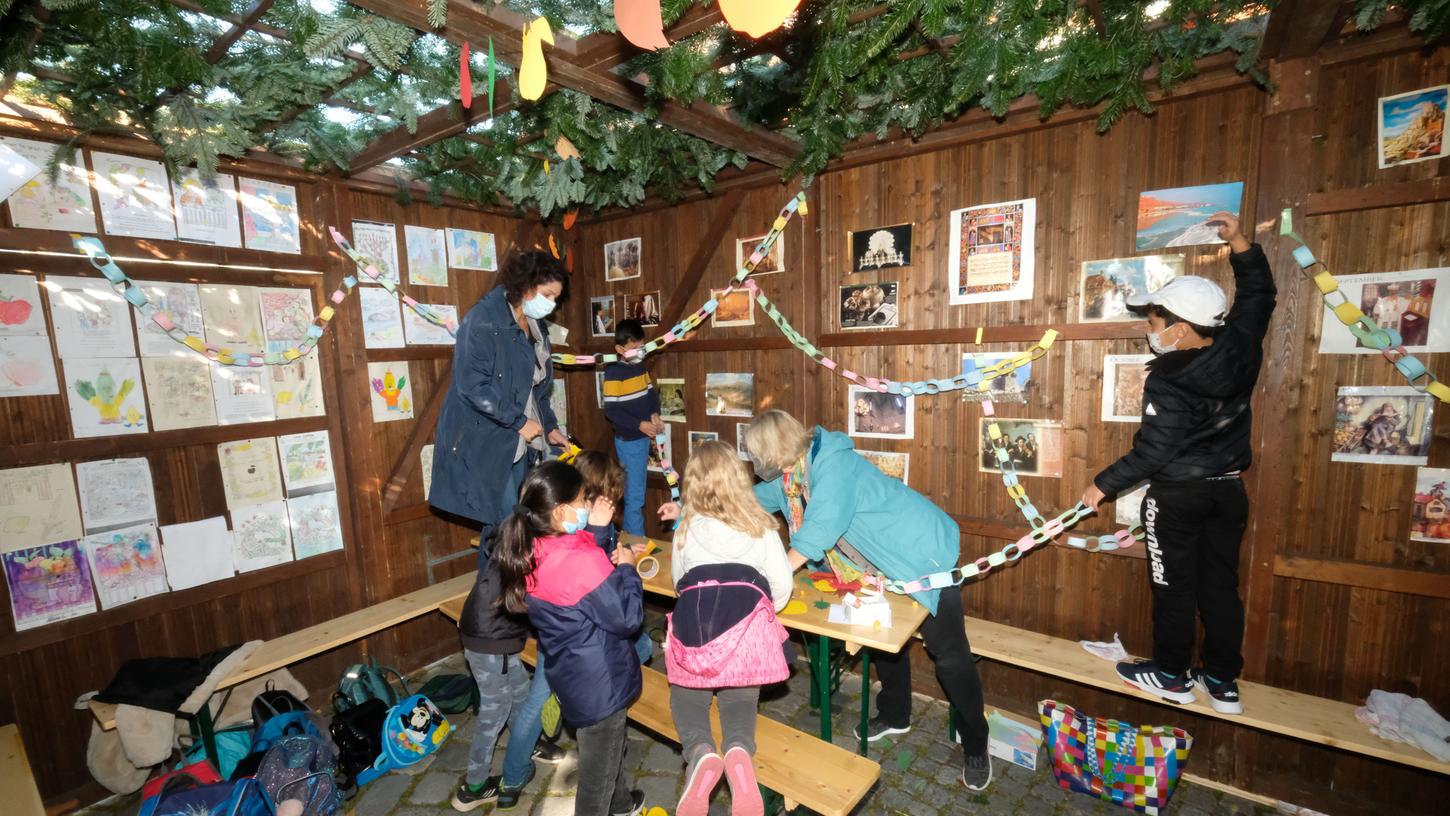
(1192, 448)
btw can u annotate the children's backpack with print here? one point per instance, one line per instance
(367, 681)
(290, 724)
(301, 767)
(452, 693)
(412, 730)
(184, 795)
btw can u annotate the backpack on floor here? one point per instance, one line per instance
(184, 795)
(301, 767)
(413, 729)
(452, 693)
(290, 724)
(358, 734)
(367, 681)
(272, 702)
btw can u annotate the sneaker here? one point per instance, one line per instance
(508, 795)
(1224, 697)
(468, 797)
(552, 718)
(636, 804)
(977, 772)
(701, 783)
(549, 752)
(1146, 675)
(877, 729)
(745, 797)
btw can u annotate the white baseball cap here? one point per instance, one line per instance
(1197, 300)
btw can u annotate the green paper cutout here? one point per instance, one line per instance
(491, 76)
(823, 604)
(903, 759)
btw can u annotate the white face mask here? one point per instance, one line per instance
(1156, 344)
(538, 307)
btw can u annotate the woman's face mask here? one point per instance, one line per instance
(538, 307)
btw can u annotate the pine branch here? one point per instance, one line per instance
(437, 13)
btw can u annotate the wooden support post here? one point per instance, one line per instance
(709, 244)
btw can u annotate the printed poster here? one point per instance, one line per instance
(197, 552)
(869, 305)
(1123, 378)
(1386, 425)
(737, 308)
(297, 388)
(378, 243)
(878, 415)
(881, 248)
(1430, 514)
(64, 204)
(698, 438)
(27, 367)
(315, 524)
(730, 395)
(233, 317)
(1183, 216)
(135, 196)
(242, 395)
(269, 216)
(471, 249)
(48, 584)
(261, 536)
(1403, 302)
(90, 319)
(427, 256)
(1034, 447)
(622, 260)
(1015, 387)
(206, 210)
(250, 472)
(306, 460)
(126, 564)
(286, 316)
(1412, 126)
(178, 392)
(774, 260)
(672, 398)
(1107, 285)
(422, 332)
(20, 310)
(392, 391)
(38, 506)
(993, 249)
(105, 397)
(381, 320)
(1128, 507)
(115, 493)
(181, 303)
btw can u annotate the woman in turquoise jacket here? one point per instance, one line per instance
(832, 497)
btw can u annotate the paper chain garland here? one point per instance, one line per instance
(1386, 341)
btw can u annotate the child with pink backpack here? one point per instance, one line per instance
(724, 641)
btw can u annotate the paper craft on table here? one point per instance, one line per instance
(38, 506)
(269, 216)
(48, 584)
(315, 523)
(250, 471)
(27, 368)
(420, 332)
(20, 312)
(242, 394)
(260, 536)
(206, 209)
(381, 321)
(427, 256)
(233, 317)
(197, 552)
(286, 316)
(178, 391)
(1403, 302)
(64, 204)
(471, 249)
(378, 243)
(115, 493)
(391, 390)
(182, 304)
(90, 319)
(425, 463)
(135, 196)
(992, 252)
(306, 460)
(297, 388)
(105, 397)
(16, 170)
(1179, 217)
(126, 564)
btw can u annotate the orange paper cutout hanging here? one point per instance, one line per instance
(566, 148)
(640, 23)
(569, 218)
(465, 79)
(757, 18)
(533, 72)
(554, 247)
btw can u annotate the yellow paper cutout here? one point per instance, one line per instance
(795, 607)
(823, 585)
(533, 72)
(757, 17)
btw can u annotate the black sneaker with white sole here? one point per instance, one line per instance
(876, 729)
(468, 797)
(1223, 696)
(549, 752)
(636, 804)
(1145, 675)
(509, 795)
(977, 772)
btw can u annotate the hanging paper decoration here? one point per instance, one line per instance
(640, 23)
(465, 80)
(566, 148)
(756, 18)
(569, 218)
(492, 75)
(533, 72)
(553, 247)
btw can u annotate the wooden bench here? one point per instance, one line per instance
(801, 768)
(16, 778)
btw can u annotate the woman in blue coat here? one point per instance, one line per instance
(832, 497)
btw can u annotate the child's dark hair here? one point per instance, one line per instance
(627, 332)
(602, 476)
(547, 486)
(525, 270)
(1171, 319)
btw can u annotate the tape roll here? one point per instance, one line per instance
(648, 566)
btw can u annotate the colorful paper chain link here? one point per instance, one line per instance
(1384, 340)
(365, 265)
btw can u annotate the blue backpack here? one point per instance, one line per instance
(412, 730)
(185, 796)
(367, 681)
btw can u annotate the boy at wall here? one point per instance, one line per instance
(632, 406)
(1192, 447)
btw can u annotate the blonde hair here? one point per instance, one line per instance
(717, 485)
(777, 438)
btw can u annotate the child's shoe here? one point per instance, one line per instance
(468, 797)
(1223, 696)
(1146, 675)
(704, 776)
(744, 792)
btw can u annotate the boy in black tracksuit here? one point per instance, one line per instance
(1193, 445)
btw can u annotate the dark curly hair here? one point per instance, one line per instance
(526, 270)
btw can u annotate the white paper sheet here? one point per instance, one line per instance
(286, 316)
(427, 256)
(135, 196)
(16, 170)
(233, 317)
(421, 332)
(379, 244)
(20, 307)
(297, 388)
(27, 368)
(250, 472)
(178, 391)
(90, 318)
(197, 552)
(270, 220)
(382, 323)
(115, 493)
(38, 506)
(242, 394)
(206, 211)
(63, 205)
(391, 388)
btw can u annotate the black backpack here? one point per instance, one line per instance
(358, 733)
(452, 693)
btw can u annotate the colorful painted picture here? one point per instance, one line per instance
(27, 368)
(700, 438)
(392, 391)
(895, 465)
(1412, 126)
(115, 493)
(64, 204)
(242, 395)
(1107, 285)
(1403, 302)
(772, 262)
(672, 399)
(270, 220)
(644, 307)
(126, 564)
(306, 460)
(1183, 216)
(181, 303)
(90, 319)
(261, 536)
(730, 395)
(20, 310)
(38, 506)
(427, 256)
(48, 584)
(1123, 378)
(206, 209)
(1015, 387)
(135, 196)
(993, 248)
(1386, 425)
(178, 392)
(622, 260)
(197, 552)
(869, 305)
(471, 249)
(315, 524)
(736, 308)
(419, 331)
(250, 472)
(1034, 447)
(559, 403)
(286, 316)
(880, 416)
(1430, 514)
(740, 449)
(378, 243)
(232, 316)
(601, 316)
(881, 248)
(297, 388)
(105, 397)
(656, 456)
(382, 319)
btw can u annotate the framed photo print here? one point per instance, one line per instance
(881, 248)
(621, 260)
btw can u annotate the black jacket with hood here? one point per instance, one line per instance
(485, 627)
(1196, 418)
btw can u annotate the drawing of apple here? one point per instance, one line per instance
(13, 311)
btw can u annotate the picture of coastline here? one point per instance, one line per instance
(1412, 126)
(1179, 217)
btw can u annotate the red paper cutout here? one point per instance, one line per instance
(465, 80)
(640, 23)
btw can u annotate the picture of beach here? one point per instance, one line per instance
(1107, 285)
(1412, 126)
(1180, 216)
(730, 395)
(621, 260)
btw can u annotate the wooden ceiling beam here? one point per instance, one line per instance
(604, 51)
(1297, 28)
(224, 43)
(448, 120)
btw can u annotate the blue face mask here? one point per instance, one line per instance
(579, 522)
(538, 307)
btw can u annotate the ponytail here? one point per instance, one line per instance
(545, 487)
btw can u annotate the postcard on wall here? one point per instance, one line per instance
(105, 397)
(20, 309)
(15, 170)
(1123, 378)
(869, 305)
(877, 415)
(644, 307)
(391, 388)
(135, 196)
(1015, 387)
(1403, 302)
(261, 536)
(297, 388)
(672, 399)
(427, 256)
(471, 249)
(697, 438)
(657, 456)
(197, 552)
(1128, 507)
(1183, 216)
(425, 468)
(48, 584)
(90, 319)
(992, 252)
(559, 403)
(735, 308)
(315, 523)
(306, 460)
(38, 506)
(242, 395)
(621, 260)
(126, 564)
(250, 471)
(1387, 425)
(27, 367)
(601, 316)
(881, 248)
(730, 395)
(418, 331)
(286, 316)
(232, 316)
(378, 243)
(381, 320)
(740, 449)
(63, 204)
(1430, 514)
(1034, 447)
(182, 304)
(895, 465)
(270, 220)
(178, 392)
(1412, 126)
(1106, 285)
(206, 209)
(115, 493)
(772, 262)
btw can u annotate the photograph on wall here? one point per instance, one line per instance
(392, 391)
(1034, 447)
(1412, 126)
(419, 331)
(644, 307)
(621, 260)
(115, 493)
(427, 250)
(877, 415)
(601, 316)
(559, 403)
(1123, 377)
(90, 318)
(105, 397)
(20, 307)
(232, 316)
(181, 303)
(1128, 507)
(48, 584)
(382, 318)
(735, 308)
(38, 505)
(270, 220)
(261, 536)
(197, 552)
(992, 256)
(1403, 302)
(179, 391)
(315, 524)
(730, 395)
(1106, 285)
(1430, 514)
(1386, 425)
(27, 367)
(1014, 387)
(668, 454)
(881, 248)
(297, 388)
(135, 196)
(672, 398)
(1183, 216)
(869, 305)
(286, 316)
(771, 263)
(242, 395)
(895, 465)
(472, 249)
(251, 473)
(740, 449)
(64, 204)
(126, 564)
(701, 437)
(206, 209)
(378, 244)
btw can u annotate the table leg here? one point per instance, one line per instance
(207, 730)
(822, 663)
(865, 697)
